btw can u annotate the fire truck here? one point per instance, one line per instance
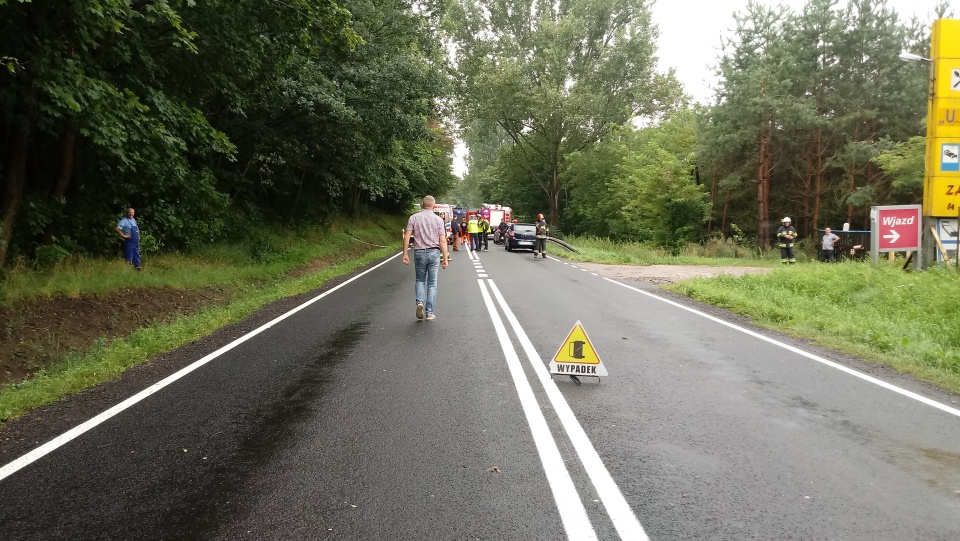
(494, 214)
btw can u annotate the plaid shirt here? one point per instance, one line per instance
(427, 230)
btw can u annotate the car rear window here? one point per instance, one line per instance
(524, 229)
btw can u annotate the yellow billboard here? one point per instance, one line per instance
(941, 189)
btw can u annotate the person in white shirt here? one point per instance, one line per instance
(829, 239)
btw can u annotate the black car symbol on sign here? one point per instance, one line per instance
(949, 154)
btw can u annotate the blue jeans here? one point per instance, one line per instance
(427, 264)
(131, 249)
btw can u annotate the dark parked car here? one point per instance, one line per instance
(520, 237)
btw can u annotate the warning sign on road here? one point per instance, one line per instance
(577, 356)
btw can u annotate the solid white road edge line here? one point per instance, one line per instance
(569, 505)
(798, 351)
(622, 516)
(73, 433)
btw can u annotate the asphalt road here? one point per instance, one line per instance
(350, 419)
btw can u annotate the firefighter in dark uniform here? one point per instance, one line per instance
(541, 242)
(786, 235)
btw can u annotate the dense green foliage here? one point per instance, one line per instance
(212, 118)
(637, 185)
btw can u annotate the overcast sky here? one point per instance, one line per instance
(690, 39)
(690, 34)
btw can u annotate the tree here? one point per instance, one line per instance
(213, 117)
(804, 104)
(555, 76)
(639, 185)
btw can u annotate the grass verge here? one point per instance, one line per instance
(908, 321)
(715, 253)
(257, 278)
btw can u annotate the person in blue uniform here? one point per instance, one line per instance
(130, 233)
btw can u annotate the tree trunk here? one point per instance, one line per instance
(66, 156)
(723, 221)
(816, 180)
(713, 201)
(807, 182)
(763, 186)
(853, 175)
(554, 196)
(767, 179)
(763, 190)
(14, 182)
(553, 193)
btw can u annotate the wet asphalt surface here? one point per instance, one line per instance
(353, 420)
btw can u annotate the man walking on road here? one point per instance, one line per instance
(540, 244)
(429, 253)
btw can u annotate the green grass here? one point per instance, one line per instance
(266, 256)
(713, 253)
(255, 285)
(909, 321)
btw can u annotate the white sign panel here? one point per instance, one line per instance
(950, 157)
(949, 234)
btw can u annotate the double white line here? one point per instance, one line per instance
(569, 504)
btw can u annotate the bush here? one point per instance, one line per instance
(48, 256)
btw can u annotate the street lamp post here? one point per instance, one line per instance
(927, 256)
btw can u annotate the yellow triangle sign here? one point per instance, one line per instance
(577, 356)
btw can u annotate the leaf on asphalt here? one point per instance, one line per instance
(494, 469)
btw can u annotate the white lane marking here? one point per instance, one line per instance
(798, 351)
(584, 270)
(574, 516)
(75, 432)
(622, 516)
(595, 274)
(482, 276)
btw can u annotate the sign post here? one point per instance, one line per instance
(896, 228)
(941, 186)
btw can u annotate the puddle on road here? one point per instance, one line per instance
(269, 428)
(942, 469)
